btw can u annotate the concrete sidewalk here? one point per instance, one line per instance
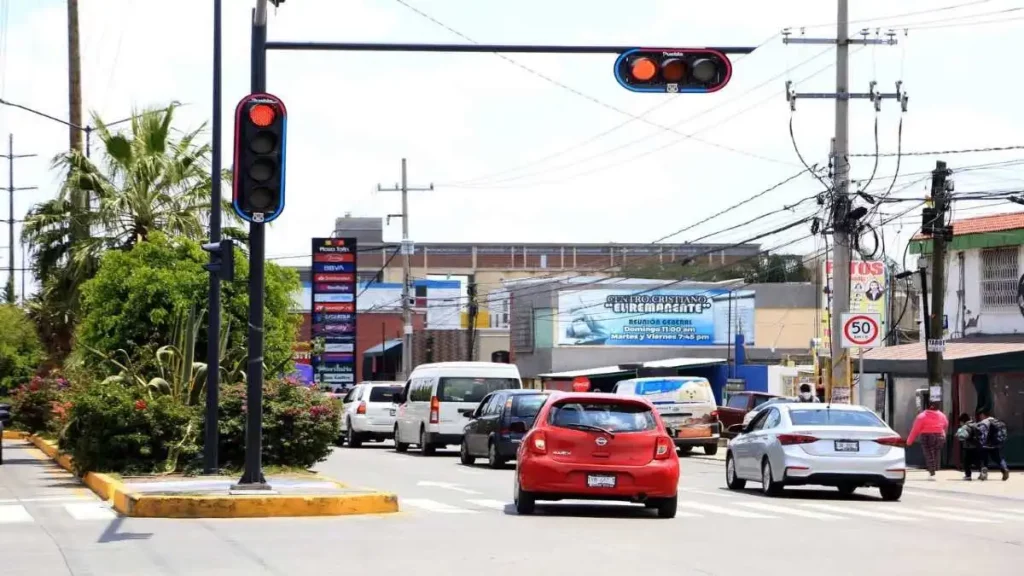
(953, 481)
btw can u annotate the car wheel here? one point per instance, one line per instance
(400, 446)
(732, 481)
(892, 492)
(464, 455)
(425, 448)
(847, 489)
(493, 460)
(351, 438)
(768, 484)
(667, 507)
(711, 449)
(524, 501)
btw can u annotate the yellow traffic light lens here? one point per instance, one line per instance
(705, 70)
(261, 171)
(643, 69)
(262, 115)
(261, 200)
(263, 143)
(673, 70)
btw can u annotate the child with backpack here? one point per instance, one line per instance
(967, 434)
(992, 436)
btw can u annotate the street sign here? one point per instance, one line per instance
(334, 295)
(861, 330)
(936, 345)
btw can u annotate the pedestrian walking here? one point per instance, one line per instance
(930, 425)
(992, 437)
(967, 434)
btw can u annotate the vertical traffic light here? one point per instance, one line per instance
(673, 70)
(261, 123)
(222, 259)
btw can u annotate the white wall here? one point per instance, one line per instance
(989, 321)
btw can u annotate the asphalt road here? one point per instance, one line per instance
(458, 520)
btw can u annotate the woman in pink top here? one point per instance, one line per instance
(930, 425)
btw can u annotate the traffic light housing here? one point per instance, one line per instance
(222, 259)
(673, 70)
(261, 123)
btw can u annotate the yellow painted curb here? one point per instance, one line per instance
(153, 506)
(15, 435)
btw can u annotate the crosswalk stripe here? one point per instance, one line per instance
(787, 510)
(981, 513)
(720, 493)
(90, 511)
(14, 513)
(858, 512)
(494, 504)
(720, 510)
(46, 499)
(434, 506)
(946, 516)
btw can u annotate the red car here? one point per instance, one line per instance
(588, 446)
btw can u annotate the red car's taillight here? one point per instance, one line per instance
(791, 439)
(539, 443)
(361, 409)
(663, 448)
(435, 410)
(896, 441)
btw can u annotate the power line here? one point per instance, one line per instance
(944, 152)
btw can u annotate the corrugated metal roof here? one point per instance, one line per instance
(954, 351)
(611, 370)
(985, 224)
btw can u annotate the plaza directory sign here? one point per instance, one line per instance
(333, 319)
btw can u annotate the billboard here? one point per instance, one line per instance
(334, 306)
(869, 294)
(668, 317)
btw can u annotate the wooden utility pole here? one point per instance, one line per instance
(934, 225)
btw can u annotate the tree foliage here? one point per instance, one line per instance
(20, 348)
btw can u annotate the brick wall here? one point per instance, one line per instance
(448, 346)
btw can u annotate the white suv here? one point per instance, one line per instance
(366, 412)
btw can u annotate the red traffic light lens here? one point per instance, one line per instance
(262, 115)
(643, 69)
(673, 70)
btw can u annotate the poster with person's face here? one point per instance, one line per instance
(868, 294)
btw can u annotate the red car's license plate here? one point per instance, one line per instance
(600, 481)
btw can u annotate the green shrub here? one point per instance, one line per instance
(20, 349)
(33, 405)
(112, 427)
(300, 424)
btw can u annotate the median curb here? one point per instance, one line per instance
(15, 435)
(137, 505)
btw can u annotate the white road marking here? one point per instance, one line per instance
(494, 504)
(720, 494)
(434, 506)
(980, 513)
(789, 510)
(858, 512)
(90, 511)
(447, 486)
(920, 494)
(946, 516)
(720, 510)
(48, 499)
(14, 513)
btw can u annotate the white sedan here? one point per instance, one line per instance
(838, 445)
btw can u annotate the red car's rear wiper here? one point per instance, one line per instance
(590, 427)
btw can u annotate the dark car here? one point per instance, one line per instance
(739, 404)
(489, 433)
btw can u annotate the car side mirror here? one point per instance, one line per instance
(736, 429)
(518, 427)
(468, 413)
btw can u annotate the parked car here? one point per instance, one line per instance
(739, 405)
(686, 405)
(489, 432)
(753, 413)
(366, 412)
(840, 445)
(594, 446)
(434, 406)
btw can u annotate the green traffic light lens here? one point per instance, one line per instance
(261, 170)
(261, 200)
(264, 142)
(704, 70)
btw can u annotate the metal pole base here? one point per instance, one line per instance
(244, 486)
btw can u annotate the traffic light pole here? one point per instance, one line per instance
(211, 437)
(252, 477)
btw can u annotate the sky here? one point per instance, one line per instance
(545, 148)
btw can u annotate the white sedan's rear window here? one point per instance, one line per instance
(826, 417)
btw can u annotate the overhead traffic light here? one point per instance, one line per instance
(222, 259)
(261, 123)
(673, 70)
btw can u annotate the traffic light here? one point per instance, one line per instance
(222, 259)
(261, 123)
(673, 70)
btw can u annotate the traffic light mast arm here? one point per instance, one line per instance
(477, 48)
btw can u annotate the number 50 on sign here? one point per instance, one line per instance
(861, 330)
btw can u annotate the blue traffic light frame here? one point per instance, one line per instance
(243, 105)
(617, 70)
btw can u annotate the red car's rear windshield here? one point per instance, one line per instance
(610, 416)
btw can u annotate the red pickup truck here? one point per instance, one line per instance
(737, 406)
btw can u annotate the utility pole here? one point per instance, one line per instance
(74, 78)
(407, 250)
(471, 327)
(11, 189)
(841, 223)
(934, 224)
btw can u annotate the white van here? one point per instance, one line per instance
(434, 406)
(686, 405)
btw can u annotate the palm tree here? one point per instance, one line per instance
(150, 178)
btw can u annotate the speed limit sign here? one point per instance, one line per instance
(861, 330)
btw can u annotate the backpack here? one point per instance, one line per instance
(996, 433)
